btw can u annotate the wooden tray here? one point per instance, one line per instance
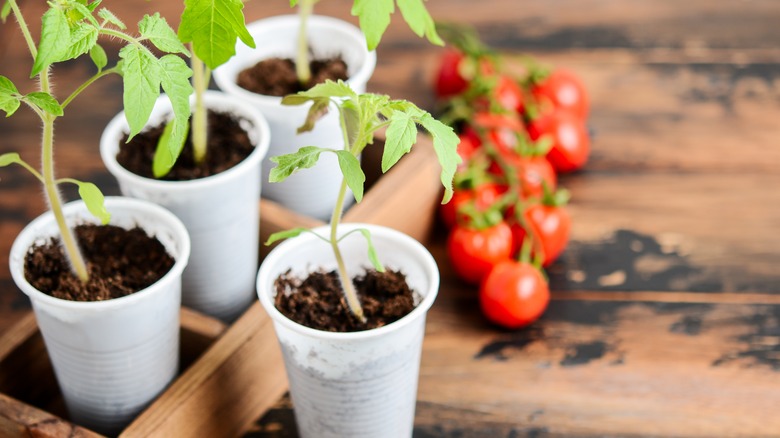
(230, 375)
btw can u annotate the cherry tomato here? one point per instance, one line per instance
(467, 148)
(508, 94)
(571, 144)
(449, 81)
(564, 91)
(473, 253)
(514, 294)
(534, 173)
(551, 225)
(483, 195)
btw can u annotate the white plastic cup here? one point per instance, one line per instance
(358, 384)
(111, 358)
(220, 211)
(312, 192)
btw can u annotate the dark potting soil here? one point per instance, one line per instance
(277, 77)
(120, 262)
(318, 301)
(228, 145)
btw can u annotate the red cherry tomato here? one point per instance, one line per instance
(534, 173)
(571, 144)
(551, 225)
(563, 91)
(449, 81)
(508, 94)
(466, 149)
(514, 294)
(484, 195)
(473, 253)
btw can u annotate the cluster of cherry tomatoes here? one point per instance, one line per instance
(507, 218)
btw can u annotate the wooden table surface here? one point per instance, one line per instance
(665, 319)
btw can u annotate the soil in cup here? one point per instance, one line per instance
(120, 262)
(317, 301)
(277, 77)
(228, 145)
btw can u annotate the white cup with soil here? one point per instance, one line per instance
(111, 357)
(219, 206)
(314, 192)
(359, 383)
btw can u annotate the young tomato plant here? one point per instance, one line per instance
(374, 16)
(361, 115)
(71, 28)
(212, 29)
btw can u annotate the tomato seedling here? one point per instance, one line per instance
(374, 17)
(212, 29)
(71, 28)
(361, 115)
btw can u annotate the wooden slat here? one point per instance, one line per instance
(18, 420)
(232, 384)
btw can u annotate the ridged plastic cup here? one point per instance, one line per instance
(220, 212)
(111, 358)
(360, 384)
(312, 192)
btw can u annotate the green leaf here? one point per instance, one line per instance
(175, 75)
(372, 256)
(353, 174)
(94, 201)
(305, 158)
(286, 234)
(156, 29)
(401, 136)
(293, 3)
(141, 77)
(169, 146)
(92, 6)
(213, 26)
(10, 158)
(55, 40)
(328, 89)
(98, 56)
(109, 17)
(44, 101)
(320, 95)
(80, 11)
(83, 37)
(5, 11)
(9, 96)
(175, 80)
(419, 20)
(445, 143)
(374, 17)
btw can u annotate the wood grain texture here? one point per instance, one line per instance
(236, 380)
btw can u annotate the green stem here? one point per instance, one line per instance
(305, 9)
(86, 84)
(199, 119)
(47, 165)
(25, 30)
(346, 283)
(53, 196)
